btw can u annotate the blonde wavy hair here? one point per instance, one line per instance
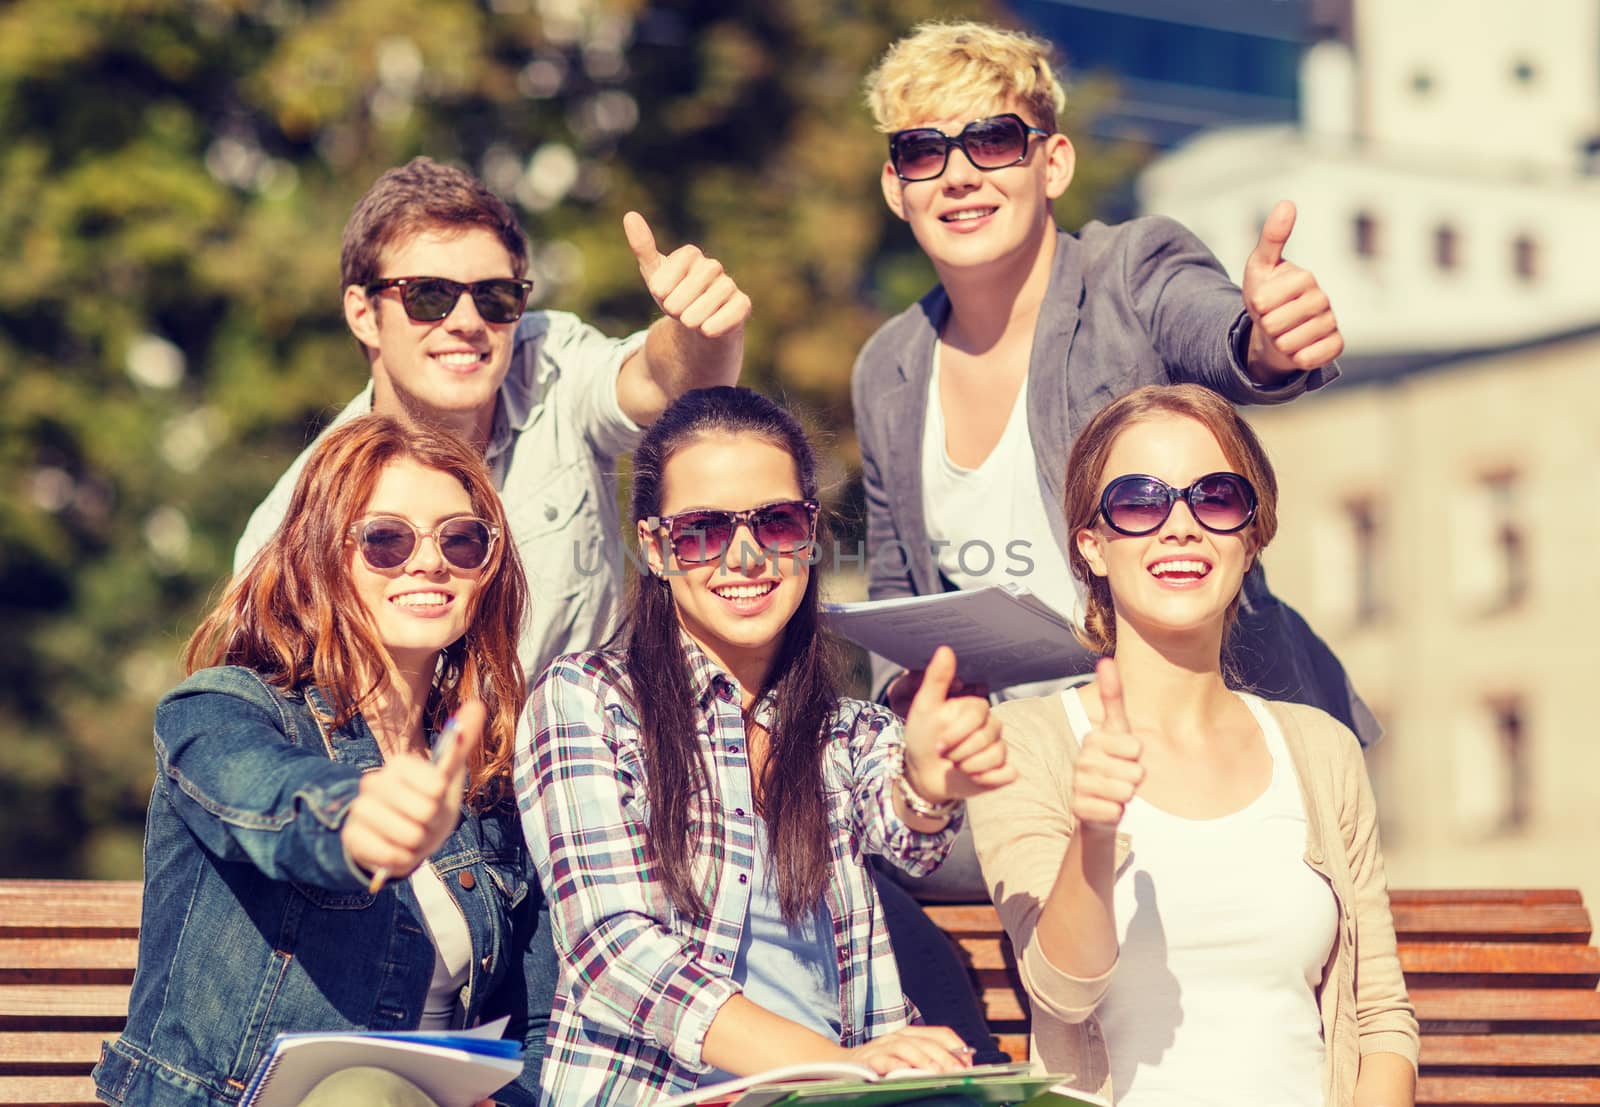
(945, 69)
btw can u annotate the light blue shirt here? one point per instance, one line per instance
(791, 972)
(558, 429)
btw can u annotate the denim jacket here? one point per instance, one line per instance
(255, 922)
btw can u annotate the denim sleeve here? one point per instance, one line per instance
(527, 994)
(248, 793)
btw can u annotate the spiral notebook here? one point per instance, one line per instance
(455, 1068)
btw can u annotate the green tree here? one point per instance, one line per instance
(173, 182)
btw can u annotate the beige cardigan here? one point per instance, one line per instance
(1021, 832)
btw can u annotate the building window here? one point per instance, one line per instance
(1361, 517)
(1492, 767)
(1366, 235)
(1525, 257)
(1350, 569)
(1491, 547)
(1446, 246)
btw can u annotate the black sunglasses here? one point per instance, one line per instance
(702, 536)
(388, 541)
(1136, 505)
(430, 299)
(921, 153)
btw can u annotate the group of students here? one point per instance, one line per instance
(415, 779)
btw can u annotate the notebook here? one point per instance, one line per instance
(849, 1085)
(455, 1068)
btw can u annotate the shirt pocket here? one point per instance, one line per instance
(556, 526)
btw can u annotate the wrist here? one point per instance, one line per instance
(915, 799)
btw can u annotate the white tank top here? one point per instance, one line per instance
(452, 947)
(1224, 931)
(993, 522)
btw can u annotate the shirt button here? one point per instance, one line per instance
(743, 879)
(733, 749)
(550, 512)
(467, 880)
(739, 811)
(720, 959)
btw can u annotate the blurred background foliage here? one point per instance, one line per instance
(174, 177)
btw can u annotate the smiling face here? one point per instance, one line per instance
(423, 605)
(969, 217)
(736, 608)
(1181, 579)
(448, 371)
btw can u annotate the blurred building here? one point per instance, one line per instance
(1180, 67)
(1439, 504)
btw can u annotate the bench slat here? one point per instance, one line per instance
(1512, 1051)
(47, 1091)
(33, 908)
(51, 956)
(79, 1007)
(1410, 896)
(28, 1051)
(1556, 1006)
(1506, 1091)
(1490, 964)
(1489, 922)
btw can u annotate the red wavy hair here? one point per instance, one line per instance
(293, 615)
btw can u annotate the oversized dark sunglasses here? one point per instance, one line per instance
(430, 299)
(704, 535)
(921, 153)
(1135, 505)
(388, 541)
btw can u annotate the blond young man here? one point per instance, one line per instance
(967, 403)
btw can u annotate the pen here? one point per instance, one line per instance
(441, 749)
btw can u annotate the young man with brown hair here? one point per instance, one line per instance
(433, 269)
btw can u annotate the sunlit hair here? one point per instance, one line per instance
(293, 614)
(956, 69)
(1086, 478)
(423, 195)
(789, 794)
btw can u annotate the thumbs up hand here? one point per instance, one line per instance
(953, 747)
(1108, 771)
(1292, 326)
(405, 810)
(687, 286)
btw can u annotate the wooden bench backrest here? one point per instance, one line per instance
(1504, 983)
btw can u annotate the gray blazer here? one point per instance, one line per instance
(1142, 302)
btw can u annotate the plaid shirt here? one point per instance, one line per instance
(639, 982)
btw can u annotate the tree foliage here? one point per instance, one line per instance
(174, 178)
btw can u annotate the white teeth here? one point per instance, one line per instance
(461, 360)
(745, 591)
(421, 599)
(1164, 567)
(970, 213)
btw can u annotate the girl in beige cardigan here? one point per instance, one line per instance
(1127, 930)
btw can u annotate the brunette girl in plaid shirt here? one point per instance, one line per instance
(700, 801)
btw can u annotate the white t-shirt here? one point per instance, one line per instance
(452, 948)
(991, 525)
(1224, 931)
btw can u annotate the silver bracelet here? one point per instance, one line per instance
(919, 805)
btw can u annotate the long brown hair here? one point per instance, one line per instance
(1086, 467)
(790, 791)
(294, 617)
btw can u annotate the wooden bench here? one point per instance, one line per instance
(1504, 984)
